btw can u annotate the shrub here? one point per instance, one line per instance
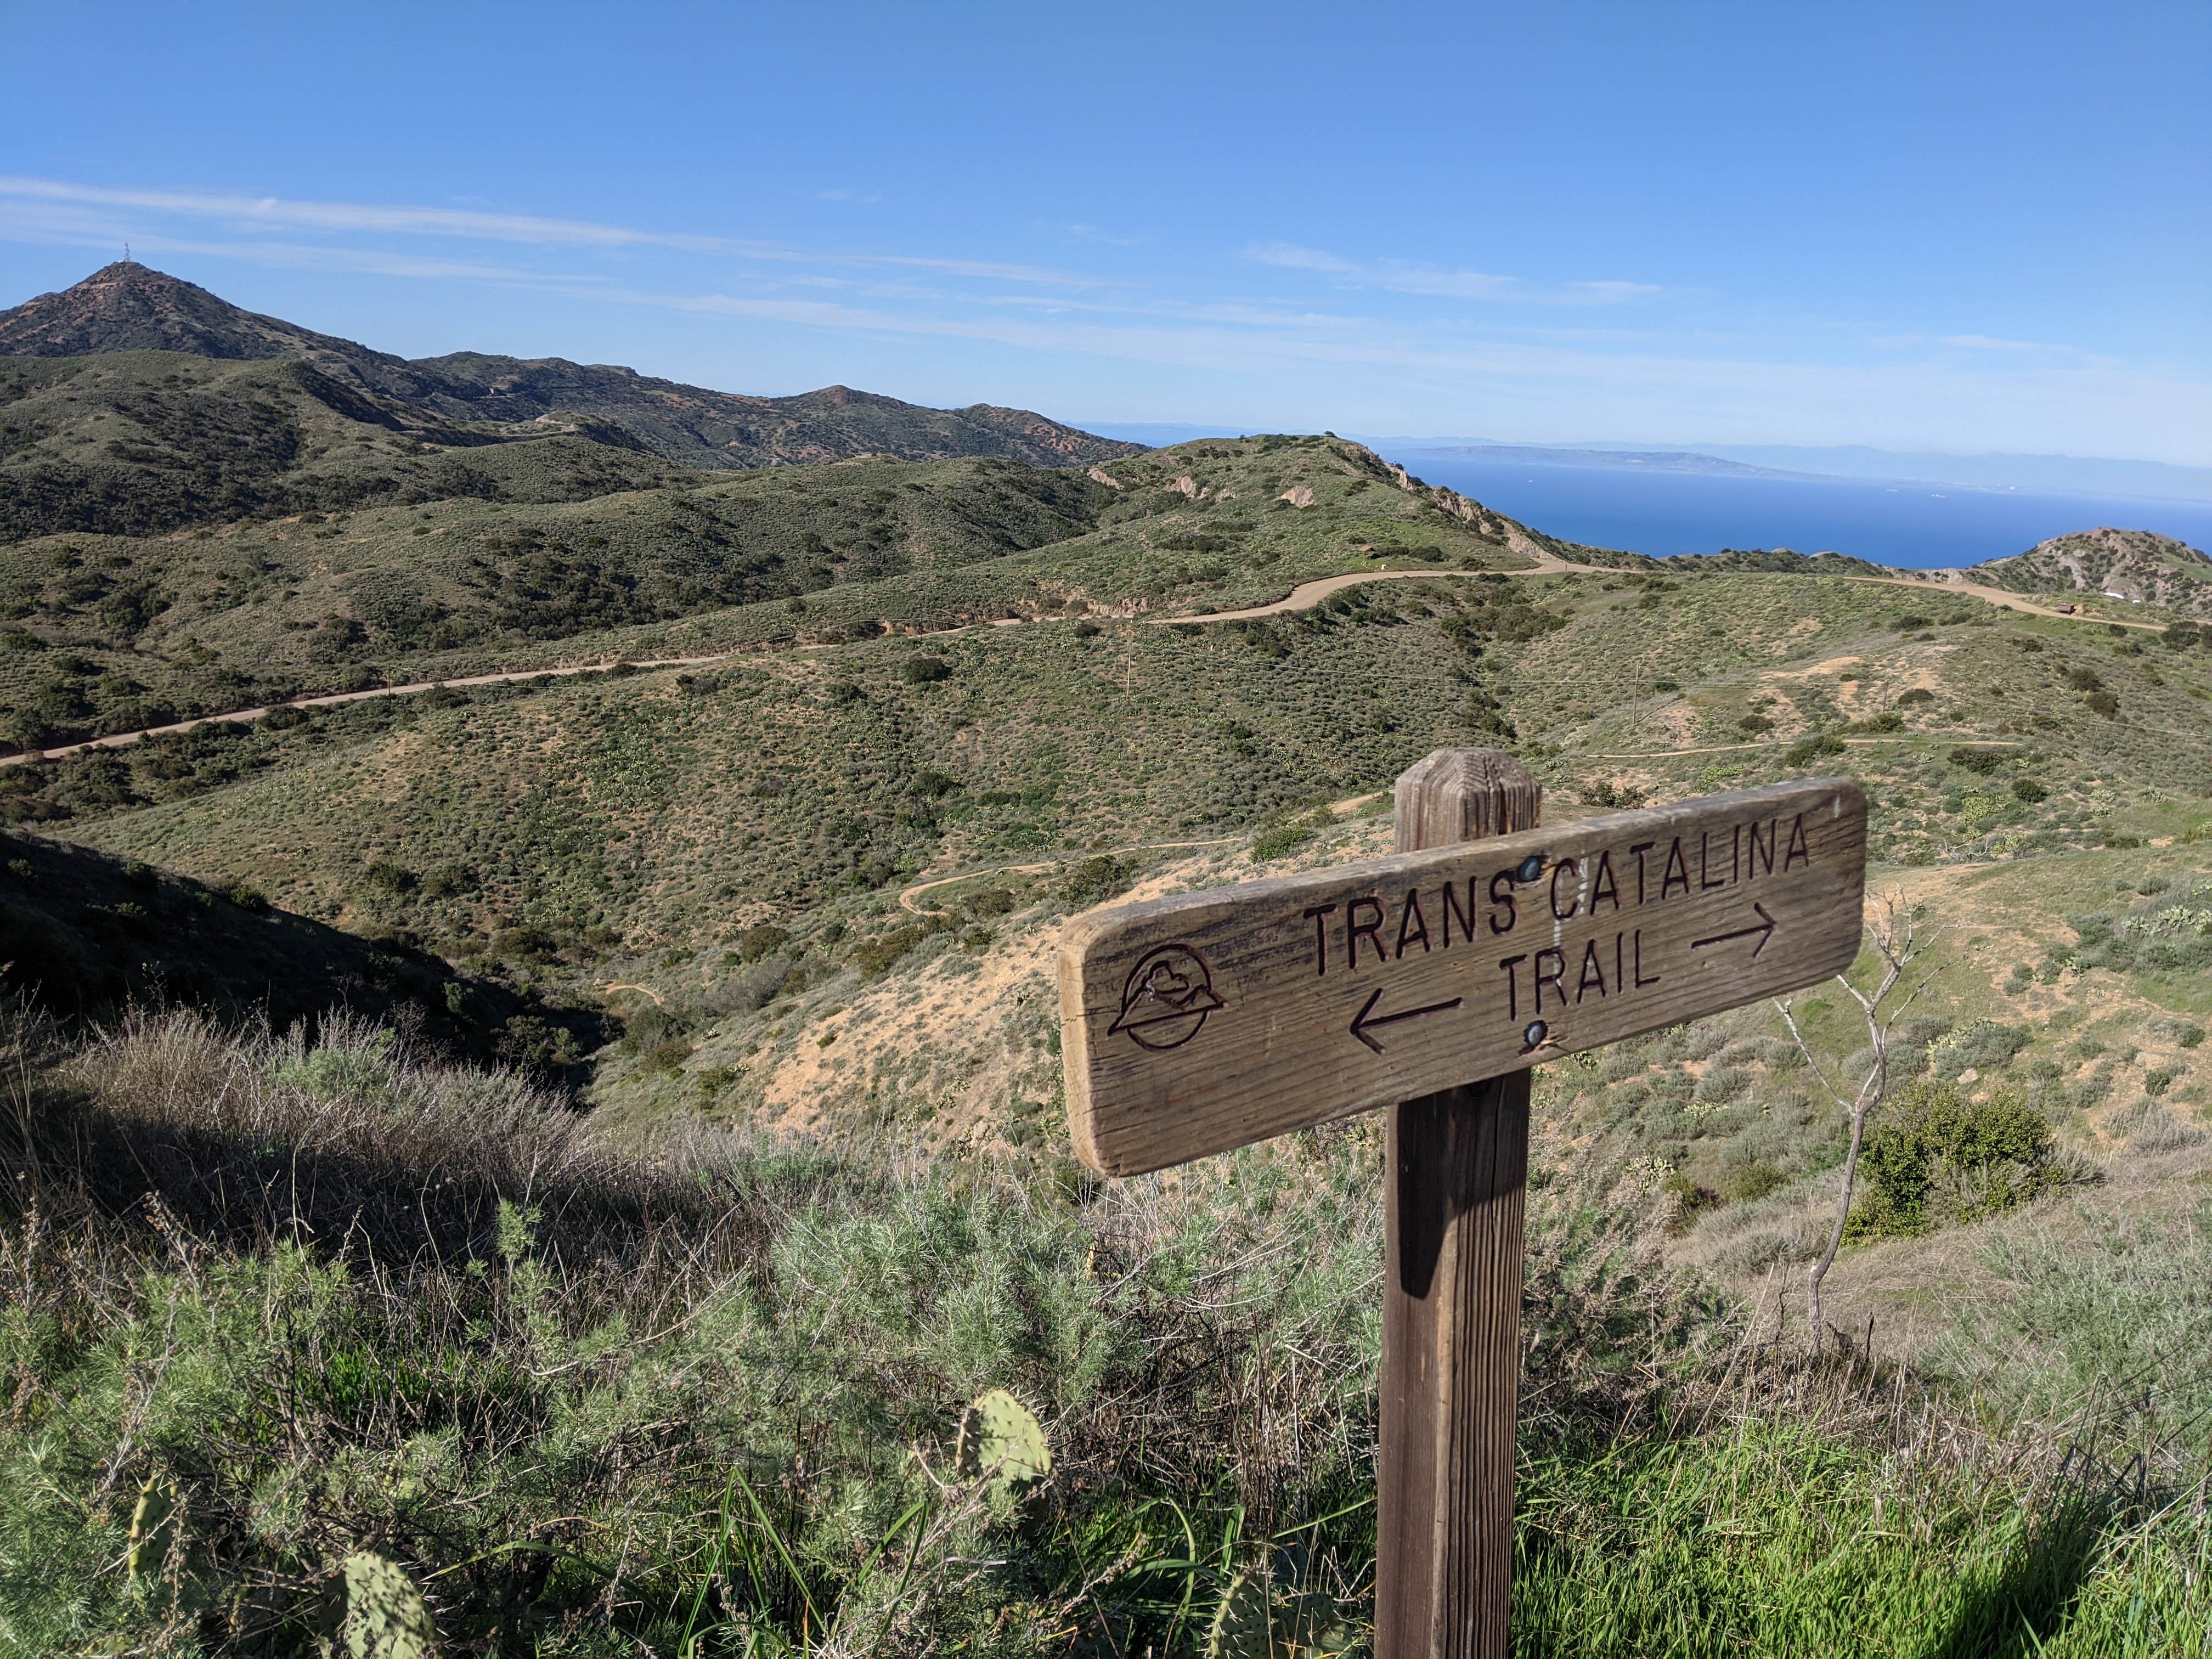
(1935, 1157)
(388, 877)
(525, 945)
(1919, 694)
(991, 902)
(1981, 761)
(448, 880)
(1691, 1200)
(665, 1057)
(1606, 793)
(925, 671)
(1721, 1086)
(1087, 630)
(1279, 842)
(1097, 879)
(1985, 1045)
(874, 956)
(1752, 726)
(756, 942)
(247, 896)
(2028, 790)
(1749, 1183)
(1806, 751)
(2084, 680)
(283, 718)
(2102, 703)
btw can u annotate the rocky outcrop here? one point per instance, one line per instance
(2137, 565)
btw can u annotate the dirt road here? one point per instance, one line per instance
(1303, 597)
(246, 716)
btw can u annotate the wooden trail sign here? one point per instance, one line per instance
(1201, 1022)
(1204, 1022)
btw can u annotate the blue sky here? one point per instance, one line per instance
(1956, 227)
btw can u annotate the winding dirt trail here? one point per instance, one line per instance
(1306, 595)
(1954, 581)
(246, 716)
(1303, 597)
(1783, 743)
(909, 896)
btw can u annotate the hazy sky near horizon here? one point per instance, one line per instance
(1961, 228)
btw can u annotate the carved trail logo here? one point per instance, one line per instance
(1168, 995)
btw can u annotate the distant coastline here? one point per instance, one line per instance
(1667, 509)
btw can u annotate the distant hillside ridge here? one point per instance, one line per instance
(2131, 564)
(126, 307)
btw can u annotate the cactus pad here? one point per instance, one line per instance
(153, 1528)
(1241, 1623)
(385, 1615)
(1002, 1441)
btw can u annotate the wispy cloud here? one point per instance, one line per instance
(252, 214)
(267, 210)
(1093, 233)
(1411, 277)
(1505, 359)
(1290, 257)
(1991, 345)
(1983, 343)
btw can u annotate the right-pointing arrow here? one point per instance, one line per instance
(1765, 932)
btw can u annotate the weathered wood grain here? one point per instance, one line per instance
(1457, 1178)
(1452, 1242)
(1204, 1022)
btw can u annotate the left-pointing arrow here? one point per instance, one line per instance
(1362, 1025)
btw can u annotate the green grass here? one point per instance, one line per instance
(1781, 1539)
(597, 1396)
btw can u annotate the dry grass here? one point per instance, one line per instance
(697, 1396)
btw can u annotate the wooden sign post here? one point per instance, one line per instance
(1457, 1173)
(1429, 982)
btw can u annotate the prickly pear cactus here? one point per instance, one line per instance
(152, 1529)
(385, 1616)
(1240, 1627)
(1002, 1441)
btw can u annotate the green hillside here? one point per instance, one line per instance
(469, 398)
(115, 633)
(2127, 564)
(684, 1341)
(637, 828)
(89, 937)
(135, 444)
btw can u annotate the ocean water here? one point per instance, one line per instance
(1917, 526)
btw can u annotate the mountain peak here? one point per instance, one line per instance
(128, 306)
